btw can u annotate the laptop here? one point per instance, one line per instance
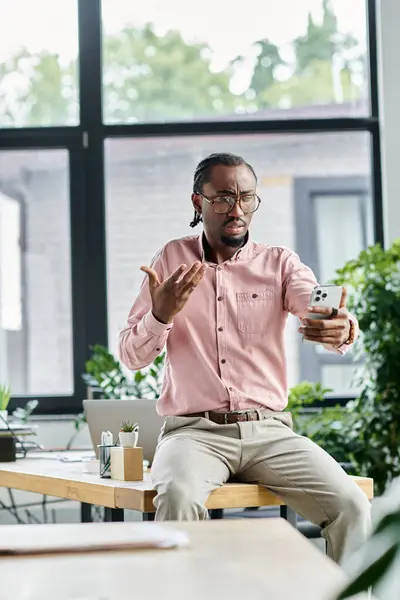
(107, 415)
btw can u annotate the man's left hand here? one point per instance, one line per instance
(327, 329)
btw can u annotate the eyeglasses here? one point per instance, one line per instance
(224, 204)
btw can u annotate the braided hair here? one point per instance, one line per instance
(203, 173)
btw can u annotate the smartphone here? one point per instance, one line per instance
(328, 295)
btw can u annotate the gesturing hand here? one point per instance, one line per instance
(171, 295)
(334, 331)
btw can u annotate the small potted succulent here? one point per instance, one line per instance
(128, 434)
(5, 395)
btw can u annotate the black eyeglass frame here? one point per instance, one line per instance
(235, 200)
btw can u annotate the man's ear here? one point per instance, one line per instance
(196, 201)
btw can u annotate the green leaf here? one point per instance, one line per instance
(373, 281)
(104, 371)
(372, 575)
(5, 396)
(390, 521)
(79, 421)
(128, 426)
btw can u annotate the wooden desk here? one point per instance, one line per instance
(139, 496)
(67, 480)
(226, 560)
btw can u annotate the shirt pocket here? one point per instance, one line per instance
(254, 310)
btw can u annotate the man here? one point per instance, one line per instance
(219, 303)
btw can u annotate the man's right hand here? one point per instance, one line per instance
(171, 295)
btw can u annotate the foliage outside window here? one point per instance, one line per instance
(149, 76)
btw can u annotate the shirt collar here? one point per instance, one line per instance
(244, 253)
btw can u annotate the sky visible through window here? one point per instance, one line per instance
(46, 26)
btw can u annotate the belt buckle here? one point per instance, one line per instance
(235, 412)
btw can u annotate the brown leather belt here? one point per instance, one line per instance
(234, 416)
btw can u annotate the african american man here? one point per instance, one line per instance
(219, 302)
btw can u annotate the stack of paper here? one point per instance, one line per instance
(87, 537)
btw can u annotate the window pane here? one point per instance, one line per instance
(35, 277)
(148, 189)
(341, 378)
(343, 230)
(330, 211)
(38, 63)
(190, 61)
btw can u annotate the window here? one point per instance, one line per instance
(148, 188)
(340, 213)
(35, 288)
(181, 61)
(105, 110)
(38, 63)
(340, 218)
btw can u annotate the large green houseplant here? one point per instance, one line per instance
(373, 280)
(364, 435)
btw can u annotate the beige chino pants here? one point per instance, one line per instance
(194, 456)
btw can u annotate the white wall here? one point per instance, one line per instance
(389, 75)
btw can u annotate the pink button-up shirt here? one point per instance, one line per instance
(225, 349)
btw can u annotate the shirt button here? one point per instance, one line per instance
(220, 328)
(255, 295)
(231, 389)
(223, 361)
(158, 349)
(218, 268)
(219, 298)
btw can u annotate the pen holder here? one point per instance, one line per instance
(105, 460)
(127, 463)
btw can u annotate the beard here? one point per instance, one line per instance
(234, 241)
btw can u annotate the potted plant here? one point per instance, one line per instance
(128, 434)
(5, 395)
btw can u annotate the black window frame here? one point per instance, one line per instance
(85, 143)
